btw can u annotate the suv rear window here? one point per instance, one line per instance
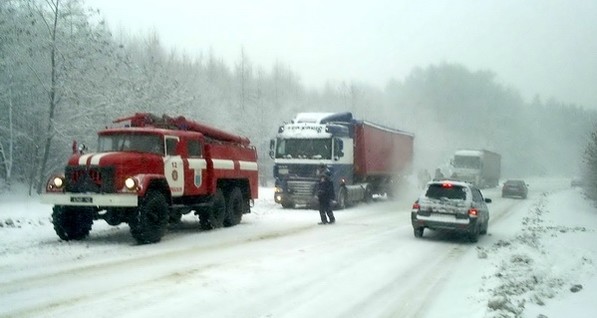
(448, 191)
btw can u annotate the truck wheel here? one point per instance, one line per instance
(72, 223)
(234, 208)
(341, 202)
(419, 231)
(287, 205)
(150, 220)
(368, 195)
(217, 212)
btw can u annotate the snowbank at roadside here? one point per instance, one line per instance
(547, 269)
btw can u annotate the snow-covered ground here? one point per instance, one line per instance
(537, 261)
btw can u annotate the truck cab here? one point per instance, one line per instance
(365, 159)
(479, 167)
(300, 147)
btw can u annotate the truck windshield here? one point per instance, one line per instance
(304, 148)
(467, 162)
(131, 143)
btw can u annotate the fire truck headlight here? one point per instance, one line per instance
(56, 183)
(130, 184)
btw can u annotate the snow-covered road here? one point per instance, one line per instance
(276, 263)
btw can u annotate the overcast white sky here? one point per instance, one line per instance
(545, 47)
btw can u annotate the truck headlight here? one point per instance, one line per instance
(131, 184)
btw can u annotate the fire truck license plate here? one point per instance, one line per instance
(81, 200)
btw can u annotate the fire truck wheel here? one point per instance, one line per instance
(234, 208)
(72, 223)
(150, 220)
(218, 210)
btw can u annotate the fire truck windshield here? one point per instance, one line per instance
(304, 148)
(131, 143)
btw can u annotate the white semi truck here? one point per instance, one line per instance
(479, 167)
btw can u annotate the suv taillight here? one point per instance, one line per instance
(472, 212)
(416, 206)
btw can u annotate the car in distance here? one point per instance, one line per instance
(451, 205)
(515, 188)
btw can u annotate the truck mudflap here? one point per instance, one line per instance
(91, 199)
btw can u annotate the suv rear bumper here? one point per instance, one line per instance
(459, 225)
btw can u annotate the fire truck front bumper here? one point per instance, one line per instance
(91, 199)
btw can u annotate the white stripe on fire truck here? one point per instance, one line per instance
(96, 159)
(223, 164)
(248, 165)
(83, 159)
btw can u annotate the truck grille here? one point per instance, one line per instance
(93, 179)
(301, 191)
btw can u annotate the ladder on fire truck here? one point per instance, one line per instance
(181, 123)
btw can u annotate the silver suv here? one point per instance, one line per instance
(451, 205)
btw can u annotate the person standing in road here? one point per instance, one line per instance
(325, 195)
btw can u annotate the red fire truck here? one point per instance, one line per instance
(151, 171)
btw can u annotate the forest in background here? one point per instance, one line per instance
(64, 75)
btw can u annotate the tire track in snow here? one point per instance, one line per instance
(69, 278)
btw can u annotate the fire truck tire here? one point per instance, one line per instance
(72, 223)
(150, 219)
(217, 214)
(204, 219)
(234, 208)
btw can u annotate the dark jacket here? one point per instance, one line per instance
(325, 189)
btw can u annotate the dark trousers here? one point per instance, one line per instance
(325, 208)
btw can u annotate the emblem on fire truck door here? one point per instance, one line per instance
(173, 170)
(197, 165)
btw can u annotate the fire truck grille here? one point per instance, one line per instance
(90, 179)
(302, 191)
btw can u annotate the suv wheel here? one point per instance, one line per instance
(474, 235)
(419, 231)
(485, 227)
